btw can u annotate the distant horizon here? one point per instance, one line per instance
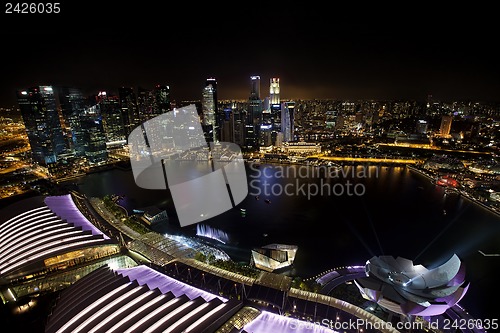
(222, 97)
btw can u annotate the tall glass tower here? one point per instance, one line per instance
(274, 90)
(162, 99)
(254, 113)
(128, 105)
(114, 127)
(287, 119)
(41, 119)
(255, 87)
(73, 104)
(209, 107)
(145, 104)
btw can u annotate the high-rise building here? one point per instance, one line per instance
(421, 127)
(255, 87)
(274, 90)
(112, 118)
(209, 107)
(162, 99)
(254, 113)
(287, 120)
(92, 135)
(73, 104)
(43, 126)
(145, 104)
(227, 128)
(211, 81)
(444, 129)
(128, 106)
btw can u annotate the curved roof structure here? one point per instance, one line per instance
(401, 287)
(43, 230)
(137, 299)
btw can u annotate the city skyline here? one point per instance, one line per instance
(316, 54)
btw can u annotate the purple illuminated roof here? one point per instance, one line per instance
(64, 207)
(270, 322)
(145, 275)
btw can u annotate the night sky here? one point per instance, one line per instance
(340, 52)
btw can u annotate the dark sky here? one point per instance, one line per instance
(341, 52)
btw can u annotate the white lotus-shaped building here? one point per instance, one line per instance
(401, 287)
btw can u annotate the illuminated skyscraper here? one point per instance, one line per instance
(114, 127)
(211, 81)
(43, 127)
(93, 138)
(73, 104)
(421, 127)
(287, 120)
(209, 110)
(145, 104)
(445, 128)
(254, 114)
(255, 87)
(162, 99)
(128, 106)
(274, 90)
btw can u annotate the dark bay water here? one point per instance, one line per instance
(399, 213)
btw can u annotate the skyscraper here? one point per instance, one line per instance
(128, 106)
(93, 137)
(444, 129)
(73, 104)
(114, 127)
(274, 90)
(254, 113)
(211, 81)
(287, 121)
(209, 108)
(41, 119)
(255, 87)
(145, 104)
(162, 99)
(421, 127)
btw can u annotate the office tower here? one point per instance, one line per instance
(254, 114)
(265, 135)
(43, 126)
(209, 107)
(287, 121)
(421, 127)
(227, 128)
(145, 104)
(114, 127)
(211, 81)
(274, 90)
(92, 135)
(238, 118)
(255, 87)
(128, 106)
(73, 104)
(444, 129)
(162, 99)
